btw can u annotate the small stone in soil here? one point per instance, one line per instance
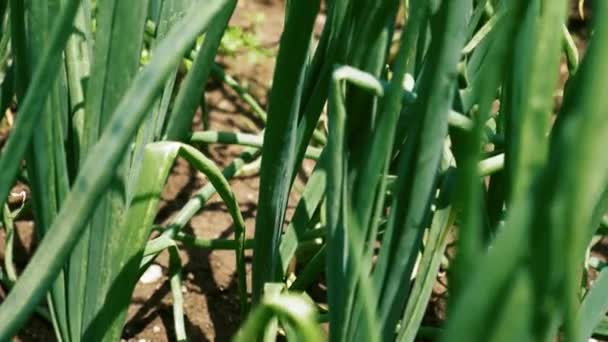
(156, 329)
(151, 275)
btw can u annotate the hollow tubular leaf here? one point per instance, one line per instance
(92, 180)
(278, 153)
(296, 310)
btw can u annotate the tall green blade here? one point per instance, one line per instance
(300, 222)
(159, 157)
(278, 157)
(492, 70)
(116, 56)
(179, 123)
(78, 67)
(44, 81)
(170, 13)
(46, 165)
(93, 180)
(34, 101)
(514, 313)
(419, 162)
(575, 186)
(534, 79)
(336, 254)
(531, 89)
(432, 254)
(594, 307)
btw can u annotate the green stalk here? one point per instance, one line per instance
(9, 230)
(180, 122)
(78, 65)
(280, 136)
(215, 244)
(294, 309)
(195, 204)
(92, 181)
(175, 278)
(243, 139)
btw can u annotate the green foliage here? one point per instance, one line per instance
(457, 135)
(246, 40)
(107, 262)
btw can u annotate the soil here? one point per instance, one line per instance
(209, 284)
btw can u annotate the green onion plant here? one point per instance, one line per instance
(457, 136)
